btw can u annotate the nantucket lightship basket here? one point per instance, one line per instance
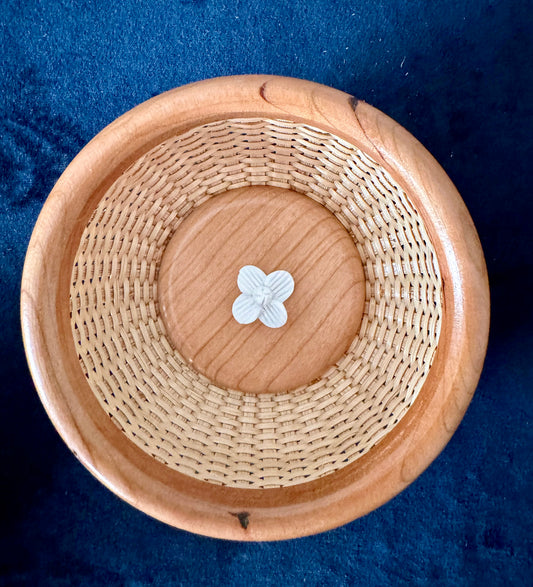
(348, 383)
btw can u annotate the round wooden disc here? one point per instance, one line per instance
(271, 228)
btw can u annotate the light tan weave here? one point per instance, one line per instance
(224, 436)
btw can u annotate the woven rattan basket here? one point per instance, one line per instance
(247, 431)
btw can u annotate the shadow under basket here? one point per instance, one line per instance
(246, 431)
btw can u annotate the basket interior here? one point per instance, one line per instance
(223, 436)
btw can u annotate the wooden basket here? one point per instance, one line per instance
(239, 430)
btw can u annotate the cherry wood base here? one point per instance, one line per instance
(271, 228)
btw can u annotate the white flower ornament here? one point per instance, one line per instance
(262, 296)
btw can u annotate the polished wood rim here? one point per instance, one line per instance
(240, 513)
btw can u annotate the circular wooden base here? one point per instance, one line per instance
(271, 228)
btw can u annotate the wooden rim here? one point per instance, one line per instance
(220, 511)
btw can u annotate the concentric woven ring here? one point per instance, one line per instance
(224, 436)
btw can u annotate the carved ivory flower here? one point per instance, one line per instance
(262, 296)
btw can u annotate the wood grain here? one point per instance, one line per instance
(201, 507)
(271, 228)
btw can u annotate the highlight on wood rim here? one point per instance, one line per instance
(134, 469)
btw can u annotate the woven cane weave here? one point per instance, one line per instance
(224, 436)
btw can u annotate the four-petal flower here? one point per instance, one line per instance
(262, 296)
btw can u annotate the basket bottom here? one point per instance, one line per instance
(272, 229)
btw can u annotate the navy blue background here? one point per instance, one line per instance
(459, 76)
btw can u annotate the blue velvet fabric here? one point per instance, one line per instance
(459, 76)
